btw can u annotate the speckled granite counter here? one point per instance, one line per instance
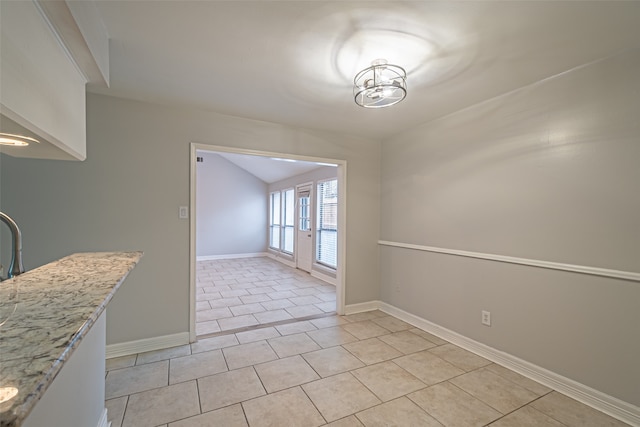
(57, 304)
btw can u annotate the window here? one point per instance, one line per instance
(274, 220)
(282, 220)
(327, 224)
(288, 207)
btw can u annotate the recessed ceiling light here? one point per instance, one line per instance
(16, 140)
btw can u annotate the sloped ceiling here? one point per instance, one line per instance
(270, 169)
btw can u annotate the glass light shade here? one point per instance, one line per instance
(380, 85)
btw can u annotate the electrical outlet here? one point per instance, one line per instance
(486, 318)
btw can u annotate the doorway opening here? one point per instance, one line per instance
(290, 281)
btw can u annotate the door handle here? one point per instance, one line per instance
(308, 235)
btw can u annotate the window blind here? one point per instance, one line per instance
(274, 220)
(288, 221)
(327, 223)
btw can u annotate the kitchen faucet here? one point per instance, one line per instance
(15, 267)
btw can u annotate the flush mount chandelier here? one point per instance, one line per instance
(380, 85)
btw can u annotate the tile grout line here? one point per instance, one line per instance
(199, 398)
(312, 402)
(516, 409)
(124, 413)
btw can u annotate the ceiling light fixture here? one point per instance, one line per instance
(16, 140)
(380, 85)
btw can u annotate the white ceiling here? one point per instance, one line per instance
(293, 62)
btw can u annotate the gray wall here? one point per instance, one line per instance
(549, 172)
(126, 195)
(231, 206)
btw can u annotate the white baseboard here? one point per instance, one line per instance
(324, 277)
(230, 256)
(285, 261)
(362, 307)
(147, 344)
(104, 421)
(314, 273)
(610, 405)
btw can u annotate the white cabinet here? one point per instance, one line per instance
(42, 87)
(76, 396)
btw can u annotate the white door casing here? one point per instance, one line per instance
(342, 218)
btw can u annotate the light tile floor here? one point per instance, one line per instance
(242, 292)
(367, 369)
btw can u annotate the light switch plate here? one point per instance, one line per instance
(184, 212)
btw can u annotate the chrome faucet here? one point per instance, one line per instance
(16, 267)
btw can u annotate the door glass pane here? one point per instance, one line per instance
(304, 222)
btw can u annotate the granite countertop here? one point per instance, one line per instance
(46, 313)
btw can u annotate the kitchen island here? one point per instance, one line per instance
(52, 338)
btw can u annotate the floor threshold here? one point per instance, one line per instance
(265, 325)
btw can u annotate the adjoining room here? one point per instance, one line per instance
(266, 233)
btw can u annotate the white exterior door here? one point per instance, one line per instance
(304, 240)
